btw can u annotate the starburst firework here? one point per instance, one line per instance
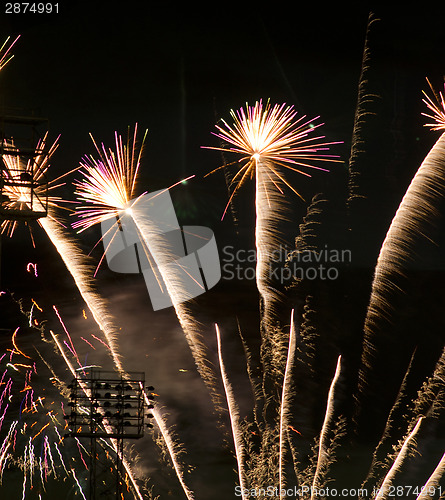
(272, 137)
(25, 185)
(269, 140)
(109, 182)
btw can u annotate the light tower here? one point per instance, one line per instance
(23, 186)
(105, 405)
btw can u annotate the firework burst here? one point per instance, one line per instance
(269, 140)
(107, 192)
(25, 187)
(109, 182)
(27, 192)
(272, 138)
(437, 107)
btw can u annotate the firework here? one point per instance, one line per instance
(25, 187)
(5, 49)
(432, 484)
(322, 460)
(108, 185)
(436, 106)
(33, 195)
(415, 224)
(80, 270)
(21, 198)
(401, 456)
(108, 192)
(234, 418)
(285, 399)
(269, 141)
(270, 138)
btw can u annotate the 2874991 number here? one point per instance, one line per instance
(405, 491)
(33, 8)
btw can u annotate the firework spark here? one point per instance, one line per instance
(430, 487)
(108, 186)
(437, 107)
(269, 140)
(5, 55)
(80, 270)
(25, 186)
(322, 459)
(31, 426)
(234, 418)
(108, 192)
(384, 489)
(285, 399)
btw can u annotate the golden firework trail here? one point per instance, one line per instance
(237, 434)
(108, 191)
(81, 271)
(18, 197)
(322, 460)
(172, 447)
(285, 400)
(87, 393)
(269, 141)
(429, 489)
(436, 106)
(384, 490)
(160, 253)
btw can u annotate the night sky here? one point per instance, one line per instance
(99, 67)
(176, 70)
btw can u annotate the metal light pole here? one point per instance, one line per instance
(22, 197)
(105, 405)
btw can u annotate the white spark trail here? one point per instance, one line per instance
(323, 445)
(172, 277)
(172, 449)
(284, 411)
(389, 478)
(234, 418)
(88, 394)
(433, 482)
